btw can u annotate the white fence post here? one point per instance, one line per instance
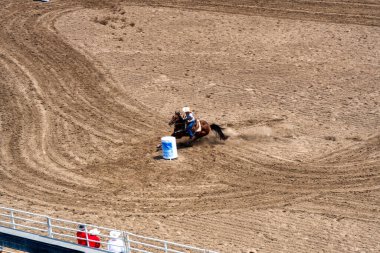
(166, 247)
(125, 250)
(86, 232)
(127, 243)
(13, 220)
(50, 229)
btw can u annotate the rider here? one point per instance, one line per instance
(190, 120)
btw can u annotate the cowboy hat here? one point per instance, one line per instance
(114, 234)
(186, 109)
(94, 231)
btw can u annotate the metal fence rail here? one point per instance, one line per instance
(66, 230)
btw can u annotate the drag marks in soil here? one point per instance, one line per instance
(60, 114)
(21, 136)
(267, 230)
(69, 137)
(72, 91)
(314, 176)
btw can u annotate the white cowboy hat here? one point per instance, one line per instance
(114, 234)
(94, 231)
(186, 109)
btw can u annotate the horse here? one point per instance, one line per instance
(180, 129)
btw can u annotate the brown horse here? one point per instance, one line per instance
(180, 128)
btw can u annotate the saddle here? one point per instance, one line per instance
(197, 126)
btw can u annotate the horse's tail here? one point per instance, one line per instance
(218, 130)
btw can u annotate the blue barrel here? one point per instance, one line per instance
(169, 147)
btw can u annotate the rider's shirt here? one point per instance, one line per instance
(190, 117)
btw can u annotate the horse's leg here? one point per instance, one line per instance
(197, 136)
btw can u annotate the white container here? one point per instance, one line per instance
(169, 147)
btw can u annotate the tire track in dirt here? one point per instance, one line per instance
(17, 173)
(63, 93)
(72, 124)
(317, 176)
(64, 90)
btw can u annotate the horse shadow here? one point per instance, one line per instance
(184, 145)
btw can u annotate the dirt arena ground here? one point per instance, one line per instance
(87, 88)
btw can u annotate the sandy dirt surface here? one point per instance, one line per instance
(87, 89)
